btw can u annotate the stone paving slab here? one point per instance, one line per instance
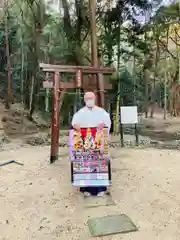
(110, 225)
(93, 201)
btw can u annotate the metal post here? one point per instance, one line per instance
(55, 119)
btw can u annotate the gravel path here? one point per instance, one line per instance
(38, 202)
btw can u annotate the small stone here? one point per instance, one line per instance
(43, 219)
(40, 228)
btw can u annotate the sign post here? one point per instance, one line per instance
(129, 115)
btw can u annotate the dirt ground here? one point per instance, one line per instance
(38, 202)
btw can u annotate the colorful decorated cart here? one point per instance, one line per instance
(89, 156)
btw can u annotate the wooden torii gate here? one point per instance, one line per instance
(59, 88)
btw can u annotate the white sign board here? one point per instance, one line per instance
(129, 115)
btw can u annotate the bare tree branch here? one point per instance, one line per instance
(166, 49)
(174, 41)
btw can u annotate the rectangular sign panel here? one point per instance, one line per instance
(89, 156)
(129, 115)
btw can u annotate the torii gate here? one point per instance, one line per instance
(59, 89)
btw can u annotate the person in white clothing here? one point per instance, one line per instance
(91, 116)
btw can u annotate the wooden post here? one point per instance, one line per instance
(79, 78)
(77, 104)
(55, 119)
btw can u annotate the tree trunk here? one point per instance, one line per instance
(153, 97)
(146, 94)
(31, 101)
(9, 74)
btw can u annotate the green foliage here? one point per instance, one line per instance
(37, 35)
(121, 27)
